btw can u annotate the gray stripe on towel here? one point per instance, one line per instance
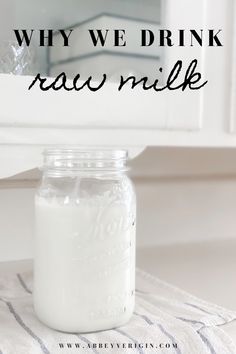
(207, 342)
(190, 321)
(162, 329)
(26, 328)
(85, 340)
(178, 351)
(145, 318)
(204, 311)
(24, 286)
(140, 350)
(141, 292)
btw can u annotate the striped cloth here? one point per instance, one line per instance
(166, 320)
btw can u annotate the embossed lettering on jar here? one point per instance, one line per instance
(84, 269)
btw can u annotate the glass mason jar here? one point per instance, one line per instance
(84, 268)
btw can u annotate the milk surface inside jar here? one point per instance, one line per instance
(84, 269)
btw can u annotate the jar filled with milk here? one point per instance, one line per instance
(84, 268)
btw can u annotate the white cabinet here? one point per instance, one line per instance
(233, 73)
(32, 119)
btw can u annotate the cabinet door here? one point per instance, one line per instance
(29, 120)
(232, 81)
(108, 108)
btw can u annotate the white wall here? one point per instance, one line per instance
(172, 163)
(184, 196)
(174, 211)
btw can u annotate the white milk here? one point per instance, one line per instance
(84, 271)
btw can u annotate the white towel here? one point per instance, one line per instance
(166, 320)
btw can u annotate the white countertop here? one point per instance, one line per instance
(206, 270)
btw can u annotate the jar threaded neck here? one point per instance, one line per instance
(75, 160)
